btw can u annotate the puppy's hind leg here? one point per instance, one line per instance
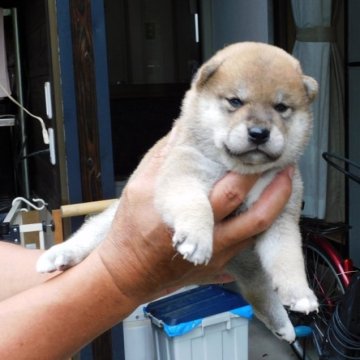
(281, 255)
(256, 287)
(79, 245)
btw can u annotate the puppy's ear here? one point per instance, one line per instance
(311, 87)
(205, 73)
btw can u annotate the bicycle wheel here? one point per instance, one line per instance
(324, 280)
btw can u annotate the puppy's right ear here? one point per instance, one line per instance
(311, 87)
(205, 73)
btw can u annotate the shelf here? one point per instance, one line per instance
(7, 121)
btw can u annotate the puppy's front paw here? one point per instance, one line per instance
(59, 257)
(195, 247)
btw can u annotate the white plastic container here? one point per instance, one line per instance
(220, 336)
(138, 336)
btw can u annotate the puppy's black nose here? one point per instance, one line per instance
(258, 135)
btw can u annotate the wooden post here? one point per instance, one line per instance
(85, 88)
(58, 233)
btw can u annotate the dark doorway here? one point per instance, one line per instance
(153, 52)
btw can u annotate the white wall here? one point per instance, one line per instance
(228, 21)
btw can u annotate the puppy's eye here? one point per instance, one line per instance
(235, 102)
(281, 108)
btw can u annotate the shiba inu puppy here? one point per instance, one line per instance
(247, 111)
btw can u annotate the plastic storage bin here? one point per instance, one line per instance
(206, 323)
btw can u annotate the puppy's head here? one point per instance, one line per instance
(251, 102)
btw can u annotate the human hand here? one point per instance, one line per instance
(138, 251)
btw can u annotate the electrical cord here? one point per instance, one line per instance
(44, 130)
(341, 340)
(43, 151)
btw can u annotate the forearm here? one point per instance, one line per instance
(54, 319)
(17, 269)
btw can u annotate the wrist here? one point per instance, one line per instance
(136, 270)
(117, 302)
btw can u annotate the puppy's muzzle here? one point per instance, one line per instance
(258, 135)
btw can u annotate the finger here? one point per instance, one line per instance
(229, 192)
(260, 216)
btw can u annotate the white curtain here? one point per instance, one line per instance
(4, 77)
(314, 47)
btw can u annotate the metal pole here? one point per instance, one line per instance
(24, 162)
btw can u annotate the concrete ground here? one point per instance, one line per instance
(263, 345)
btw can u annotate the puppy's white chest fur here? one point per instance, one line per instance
(258, 188)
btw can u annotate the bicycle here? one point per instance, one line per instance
(321, 335)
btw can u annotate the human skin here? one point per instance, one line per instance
(136, 263)
(17, 269)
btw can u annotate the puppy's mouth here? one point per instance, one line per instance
(255, 155)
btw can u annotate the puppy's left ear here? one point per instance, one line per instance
(311, 87)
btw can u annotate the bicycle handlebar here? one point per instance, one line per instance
(329, 158)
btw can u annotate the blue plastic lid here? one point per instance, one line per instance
(195, 304)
